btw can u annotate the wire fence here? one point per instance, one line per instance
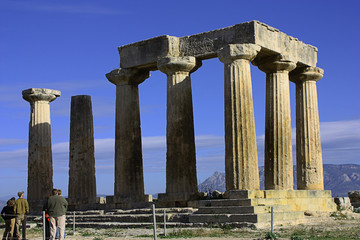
(41, 220)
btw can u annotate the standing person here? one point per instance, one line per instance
(7, 213)
(57, 206)
(21, 209)
(57, 229)
(47, 218)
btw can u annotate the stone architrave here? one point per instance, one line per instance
(308, 145)
(278, 148)
(40, 168)
(129, 177)
(82, 180)
(181, 179)
(241, 160)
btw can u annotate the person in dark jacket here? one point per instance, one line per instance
(57, 207)
(7, 213)
(47, 219)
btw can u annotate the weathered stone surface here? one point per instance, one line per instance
(82, 180)
(354, 196)
(241, 160)
(40, 171)
(343, 202)
(308, 144)
(130, 76)
(274, 53)
(181, 180)
(278, 147)
(144, 54)
(129, 179)
(216, 194)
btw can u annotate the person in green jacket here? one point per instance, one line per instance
(21, 209)
(57, 207)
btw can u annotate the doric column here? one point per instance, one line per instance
(181, 180)
(40, 169)
(129, 178)
(241, 160)
(82, 181)
(278, 148)
(308, 145)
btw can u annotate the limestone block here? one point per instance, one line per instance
(131, 76)
(144, 54)
(217, 194)
(354, 196)
(343, 202)
(232, 52)
(101, 200)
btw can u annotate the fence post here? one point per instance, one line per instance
(44, 227)
(154, 221)
(74, 223)
(272, 219)
(164, 222)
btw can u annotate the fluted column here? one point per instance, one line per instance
(308, 145)
(241, 160)
(40, 168)
(278, 147)
(82, 180)
(181, 180)
(129, 178)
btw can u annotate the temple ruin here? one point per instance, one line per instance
(274, 53)
(284, 59)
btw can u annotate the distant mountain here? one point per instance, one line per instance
(340, 179)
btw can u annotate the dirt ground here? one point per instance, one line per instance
(342, 225)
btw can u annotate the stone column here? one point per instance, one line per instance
(278, 147)
(181, 180)
(308, 145)
(241, 160)
(82, 181)
(40, 169)
(129, 177)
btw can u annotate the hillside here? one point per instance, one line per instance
(340, 179)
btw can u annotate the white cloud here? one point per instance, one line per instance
(340, 144)
(341, 141)
(9, 142)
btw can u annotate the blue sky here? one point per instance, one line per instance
(70, 45)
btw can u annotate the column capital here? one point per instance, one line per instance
(304, 74)
(40, 94)
(233, 52)
(169, 65)
(127, 76)
(275, 64)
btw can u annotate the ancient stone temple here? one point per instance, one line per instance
(82, 181)
(283, 58)
(40, 170)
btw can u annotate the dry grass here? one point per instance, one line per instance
(342, 225)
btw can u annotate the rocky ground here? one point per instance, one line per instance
(341, 225)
